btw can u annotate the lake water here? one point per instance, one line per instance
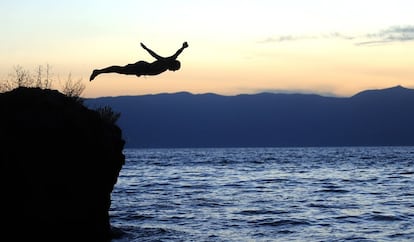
(266, 194)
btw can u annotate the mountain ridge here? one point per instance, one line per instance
(371, 117)
(363, 92)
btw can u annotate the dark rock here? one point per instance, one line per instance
(59, 163)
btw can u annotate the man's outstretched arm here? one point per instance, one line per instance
(152, 53)
(185, 45)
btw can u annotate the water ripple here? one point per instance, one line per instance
(265, 194)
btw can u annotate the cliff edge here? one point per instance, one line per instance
(59, 163)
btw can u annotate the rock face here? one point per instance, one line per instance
(59, 163)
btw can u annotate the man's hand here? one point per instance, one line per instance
(185, 44)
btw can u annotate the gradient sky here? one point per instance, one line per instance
(330, 47)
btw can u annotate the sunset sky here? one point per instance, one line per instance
(330, 47)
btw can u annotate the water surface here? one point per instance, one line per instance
(266, 194)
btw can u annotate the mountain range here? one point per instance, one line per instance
(370, 118)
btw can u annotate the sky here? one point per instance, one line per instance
(328, 47)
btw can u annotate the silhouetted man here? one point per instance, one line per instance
(144, 68)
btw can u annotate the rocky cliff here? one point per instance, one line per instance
(59, 163)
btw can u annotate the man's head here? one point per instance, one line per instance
(174, 65)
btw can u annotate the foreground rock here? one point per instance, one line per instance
(59, 163)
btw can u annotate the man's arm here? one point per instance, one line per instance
(152, 53)
(185, 45)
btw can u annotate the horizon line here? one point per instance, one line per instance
(264, 91)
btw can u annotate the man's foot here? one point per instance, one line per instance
(94, 74)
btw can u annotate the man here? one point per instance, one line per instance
(145, 68)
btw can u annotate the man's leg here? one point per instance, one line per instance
(111, 69)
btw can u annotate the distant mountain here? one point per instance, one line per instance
(369, 118)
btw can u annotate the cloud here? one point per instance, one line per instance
(385, 36)
(337, 35)
(389, 35)
(291, 38)
(287, 38)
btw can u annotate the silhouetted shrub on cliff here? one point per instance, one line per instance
(42, 79)
(108, 114)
